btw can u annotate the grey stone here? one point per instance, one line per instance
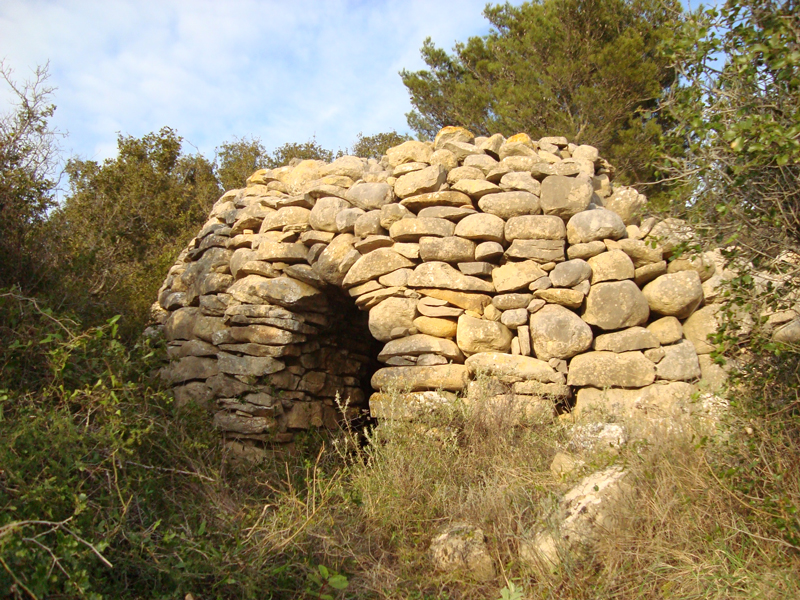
(369, 224)
(416, 345)
(461, 150)
(679, 363)
(397, 278)
(281, 252)
(370, 196)
(704, 266)
(788, 333)
(410, 151)
(671, 233)
(565, 196)
(476, 188)
(466, 172)
(373, 242)
(542, 283)
(451, 213)
(346, 219)
(323, 215)
(615, 305)
(563, 297)
(284, 291)
(476, 268)
(521, 181)
(641, 252)
(190, 368)
(255, 366)
(462, 548)
(287, 216)
(646, 273)
(570, 273)
(634, 338)
(452, 134)
(391, 213)
(514, 318)
(655, 354)
(627, 203)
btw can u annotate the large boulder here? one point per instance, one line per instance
(535, 227)
(565, 196)
(614, 265)
(283, 291)
(373, 265)
(627, 203)
(516, 276)
(410, 151)
(414, 379)
(481, 335)
(411, 230)
(450, 249)
(615, 305)
(510, 368)
(462, 549)
(426, 180)
(391, 314)
(634, 338)
(675, 294)
(570, 273)
(370, 196)
(590, 225)
(510, 204)
(442, 275)
(557, 332)
(703, 323)
(481, 227)
(323, 215)
(609, 369)
(679, 363)
(418, 344)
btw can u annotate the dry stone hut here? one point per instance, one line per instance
(516, 257)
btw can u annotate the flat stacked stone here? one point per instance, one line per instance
(441, 261)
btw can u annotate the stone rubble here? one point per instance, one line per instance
(441, 261)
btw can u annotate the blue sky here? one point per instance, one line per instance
(279, 70)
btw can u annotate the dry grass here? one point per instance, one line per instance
(692, 530)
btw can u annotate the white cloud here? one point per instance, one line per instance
(281, 71)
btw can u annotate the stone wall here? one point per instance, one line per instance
(514, 257)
